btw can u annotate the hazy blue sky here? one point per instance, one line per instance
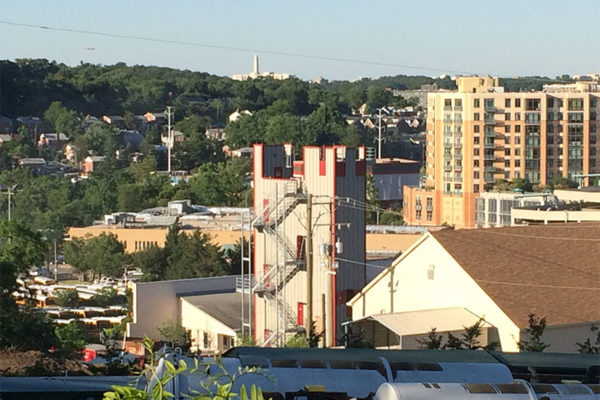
(504, 38)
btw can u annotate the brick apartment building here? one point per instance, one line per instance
(480, 133)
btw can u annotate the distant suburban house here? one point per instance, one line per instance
(178, 137)
(53, 140)
(156, 118)
(234, 116)
(6, 125)
(131, 138)
(34, 125)
(115, 120)
(5, 138)
(215, 134)
(36, 164)
(90, 164)
(451, 278)
(244, 152)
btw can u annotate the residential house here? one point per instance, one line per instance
(114, 120)
(450, 278)
(234, 116)
(34, 125)
(53, 140)
(37, 165)
(90, 164)
(6, 125)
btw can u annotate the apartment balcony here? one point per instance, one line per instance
(458, 108)
(447, 145)
(489, 146)
(457, 156)
(448, 167)
(489, 168)
(457, 145)
(489, 157)
(458, 168)
(489, 133)
(447, 156)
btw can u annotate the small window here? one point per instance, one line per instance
(284, 364)
(479, 388)
(507, 103)
(517, 102)
(541, 388)
(514, 388)
(476, 117)
(431, 272)
(476, 103)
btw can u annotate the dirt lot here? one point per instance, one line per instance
(35, 363)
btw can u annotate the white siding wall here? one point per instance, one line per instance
(451, 287)
(199, 323)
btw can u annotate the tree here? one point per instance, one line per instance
(433, 341)
(192, 256)
(152, 262)
(71, 339)
(533, 335)
(589, 347)
(176, 335)
(64, 120)
(378, 97)
(102, 254)
(67, 298)
(105, 297)
(560, 182)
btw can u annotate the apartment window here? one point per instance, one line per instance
(517, 102)
(507, 152)
(593, 116)
(476, 140)
(458, 103)
(506, 139)
(429, 209)
(550, 139)
(559, 116)
(517, 139)
(489, 103)
(476, 103)
(532, 104)
(507, 103)
(476, 162)
(550, 152)
(517, 163)
(507, 116)
(575, 118)
(550, 116)
(447, 104)
(517, 128)
(550, 103)
(418, 207)
(507, 163)
(476, 175)
(550, 128)
(575, 104)
(506, 128)
(517, 116)
(592, 127)
(476, 188)
(593, 103)
(476, 117)
(476, 129)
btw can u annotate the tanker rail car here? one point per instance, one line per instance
(516, 390)
(341, 374)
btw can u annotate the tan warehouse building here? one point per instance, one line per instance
(480, 133)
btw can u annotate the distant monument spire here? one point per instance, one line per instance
(255, 64)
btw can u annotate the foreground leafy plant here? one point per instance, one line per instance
(160, 375)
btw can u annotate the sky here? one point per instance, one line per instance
(383, 38)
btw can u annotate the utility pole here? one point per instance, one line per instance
(169, 138)
(309, 264)
(379, 139)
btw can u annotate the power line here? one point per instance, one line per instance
(232, 48)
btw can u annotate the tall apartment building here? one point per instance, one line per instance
(480, 133)
(321, 197)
